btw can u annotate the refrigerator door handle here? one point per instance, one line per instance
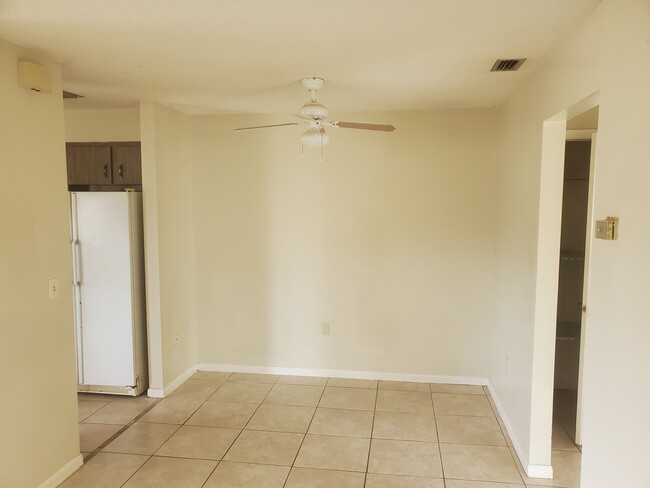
(74, 240)
(76, 284)
(77, 263)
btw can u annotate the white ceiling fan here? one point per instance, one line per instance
(314, 113)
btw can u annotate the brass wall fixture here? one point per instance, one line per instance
(607, 229)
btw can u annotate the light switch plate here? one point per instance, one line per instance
(54, 288)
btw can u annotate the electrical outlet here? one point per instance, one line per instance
(325, 328)
(54, 288)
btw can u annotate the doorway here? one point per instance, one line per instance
(573, 268)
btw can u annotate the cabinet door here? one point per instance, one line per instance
(127, 164)
(88, 164)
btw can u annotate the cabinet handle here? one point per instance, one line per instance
(120, 170)
(106, 171)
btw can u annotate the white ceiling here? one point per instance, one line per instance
(248, 56)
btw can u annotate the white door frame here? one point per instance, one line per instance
(585, 283)
(548, 259)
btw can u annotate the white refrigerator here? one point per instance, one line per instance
(108, 291)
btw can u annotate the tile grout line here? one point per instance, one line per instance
(83, 420)
(504, 432)
(240, 432)
(245, 425)
(372, 430)
(124, 430)
(569, 436)
(188, 418)
(435, 421)
(305, 436)
(177, 429)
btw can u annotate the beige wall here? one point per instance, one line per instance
(39, 433)
(102, 125)
(616, 366)
(389, 240)
(169, 242)
(617, 369)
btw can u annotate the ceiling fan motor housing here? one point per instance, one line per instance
(314, 110)
(312, 83)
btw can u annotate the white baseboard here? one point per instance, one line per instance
(156, 393)
(532, 470)
(62, 474)
(175, 383)
(540, 471)
(343, 373)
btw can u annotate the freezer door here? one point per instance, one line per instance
(104, 275)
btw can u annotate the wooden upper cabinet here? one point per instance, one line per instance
(127, 164)
(89, 164)
(110, 163)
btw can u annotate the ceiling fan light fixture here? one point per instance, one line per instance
(314, 137)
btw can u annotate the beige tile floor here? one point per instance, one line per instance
(102, 417)
(222, 430)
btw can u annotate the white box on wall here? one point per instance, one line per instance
(34, 77)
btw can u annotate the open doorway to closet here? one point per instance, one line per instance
(572, 282)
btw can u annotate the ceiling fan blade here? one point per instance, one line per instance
(267, 126)
(363, 126)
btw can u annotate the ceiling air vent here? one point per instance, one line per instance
(508, 64)
(69, 95)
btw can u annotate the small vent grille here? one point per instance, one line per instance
(508, 64)
(69, 95)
